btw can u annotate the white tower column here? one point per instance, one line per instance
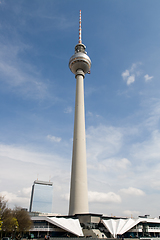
(79, 64)
(79, 190)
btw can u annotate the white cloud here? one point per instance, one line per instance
(20, 168)
(132, 191)
(131, 213)
(134, 66)
(125, 74)
(68, 110)
(129, 74)
(22, 154)
(104, 148)
(148, 150)
(130, 79)
(103, 141)
(100, 197)
(15, 199)
(103, 197)
(26, 192)
(19, 75)
(53, 138)
(123, 163)
(153, 109)
(155, 184)
(111, 165)
(147, 77)
(28, 155)
(90, 114)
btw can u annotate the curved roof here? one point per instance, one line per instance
(68, 224)
(120, 226)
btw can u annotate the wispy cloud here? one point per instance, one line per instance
(103, 197)
(15, 199)
(129, 75)
(60, 22)
(151, 111)
(132, 191)
(148, 149)
(130, 79)
(131, 213)
(19, 75)
(147, 77)
(125, 74)
(111, 165)
(24, 163)
(155, 184)
(53, 138)
(68, 110)
(24, 154)
(105, 145)
(139, 163)
(103, 141)
(123, 163)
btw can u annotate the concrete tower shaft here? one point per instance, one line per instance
(79, 190)
(79, 64)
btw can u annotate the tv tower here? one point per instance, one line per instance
(79, 64)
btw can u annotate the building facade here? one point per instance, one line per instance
(95, 226)
(41, 197)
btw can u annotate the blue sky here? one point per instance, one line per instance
(122, 101)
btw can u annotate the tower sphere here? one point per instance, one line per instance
(80, 60)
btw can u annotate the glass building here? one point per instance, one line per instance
(41, 197)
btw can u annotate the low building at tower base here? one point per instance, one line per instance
(95, 226)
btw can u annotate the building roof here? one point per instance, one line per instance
(43, 182)
(120, 226)
(70, 225)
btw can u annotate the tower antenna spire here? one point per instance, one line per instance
(80, 29)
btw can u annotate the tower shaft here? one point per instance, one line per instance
(79, 189)
(79, 64)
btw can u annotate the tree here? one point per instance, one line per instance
(10, 222)
(3, 205)
(13, 221)
(23, 218)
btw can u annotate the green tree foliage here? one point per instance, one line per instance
(10, 223)
(23, 219)
(13, 221)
